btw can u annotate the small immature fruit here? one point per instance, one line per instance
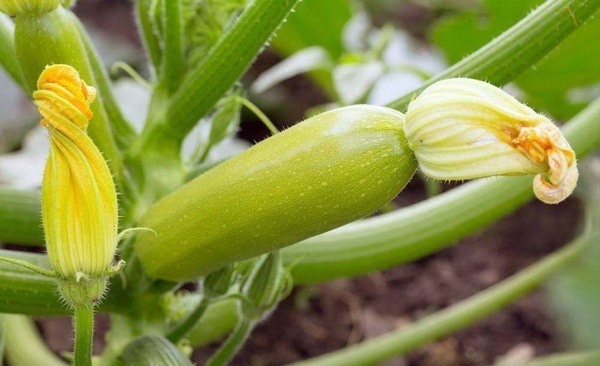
(27, 7)
(322, 173)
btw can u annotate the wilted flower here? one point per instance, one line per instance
(79, 201)
(463, 129)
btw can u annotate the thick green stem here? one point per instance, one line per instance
(232, 345)
(515, 50)
(424, 228)
(173, 65)
(188, 323)
(25, 292)
(24, 346)
(83, 322)
(454, 318)
(20, 219)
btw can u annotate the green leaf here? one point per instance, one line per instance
(314, 23)
(562, 83)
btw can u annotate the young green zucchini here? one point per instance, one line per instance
(322, 173)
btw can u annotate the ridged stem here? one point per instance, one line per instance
(183, 328)
(142, 12)
(232, 345)
(173, 66)
(20, 220)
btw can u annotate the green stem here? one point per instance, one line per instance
(142, 12)
(515, 50)
(29, 266)
(20, 219)
(24, 346)
(173, 65)
(83, 322)
(260, 114)
(188, 323)
(8, 58)
(232, 345)
(424, 228)
(121, 128)
(449, 320)
(131, 72)
(567, 359)
(218, 320)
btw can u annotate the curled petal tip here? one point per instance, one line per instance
(62, 93)
(550, 193)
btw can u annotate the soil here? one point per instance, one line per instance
(318, 319)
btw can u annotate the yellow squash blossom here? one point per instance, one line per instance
(464, 129)
(79, 201)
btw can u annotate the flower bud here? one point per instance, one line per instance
(464, 129)
(266, 285)
(28, 7)
(79, 202)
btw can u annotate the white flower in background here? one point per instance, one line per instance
(408, 64)
(379, 65)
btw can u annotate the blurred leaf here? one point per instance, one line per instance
(576, 292)
(315, 23)
(308, 59)
(562, 83)
(353, 81)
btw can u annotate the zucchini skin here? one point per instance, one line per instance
(327, 171)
